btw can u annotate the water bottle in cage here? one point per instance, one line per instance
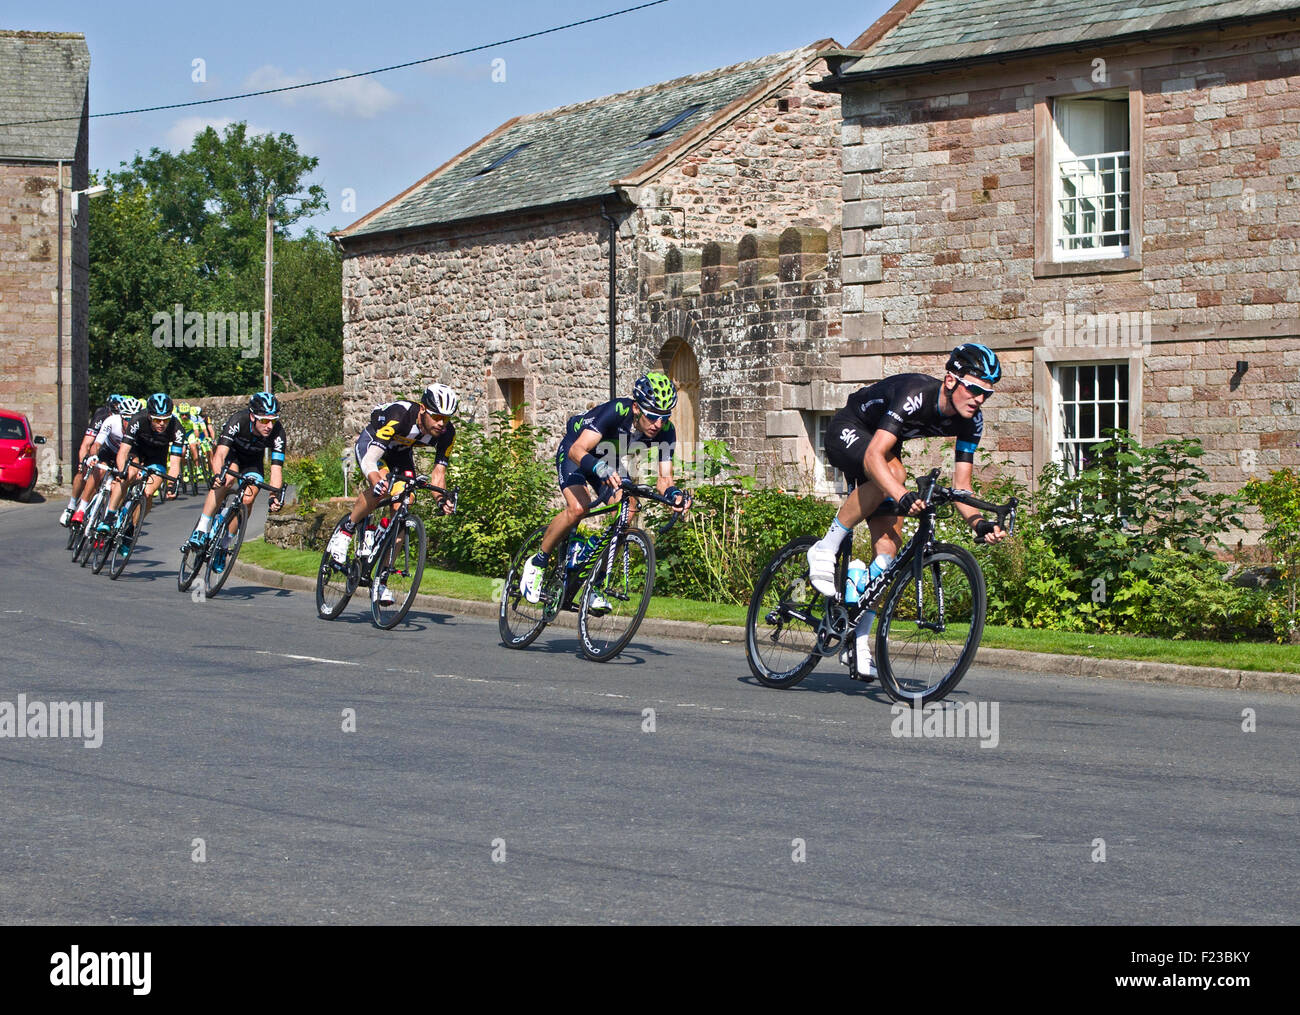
(579, 550)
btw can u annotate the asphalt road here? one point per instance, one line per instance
(483, 785)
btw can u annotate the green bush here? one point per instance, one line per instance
(318, 476)
(1278, 499)
(505, 491)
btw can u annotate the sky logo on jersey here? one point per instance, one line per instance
(913, 403)
(847, 436)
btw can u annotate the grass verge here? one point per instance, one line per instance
(1235, 655)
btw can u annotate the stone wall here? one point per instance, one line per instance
(763, 318)
(526, 298)
(29, 274)
(312, 418)
(948, 192)
(775, 166)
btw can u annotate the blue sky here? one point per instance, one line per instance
(378, 135)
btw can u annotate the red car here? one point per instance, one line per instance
(17, 454)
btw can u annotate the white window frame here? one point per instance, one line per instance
(1066, 449)
(1090, 171)
(827, 480)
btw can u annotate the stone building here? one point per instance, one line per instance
(1108, 194)
(721, 192)
(44, 255)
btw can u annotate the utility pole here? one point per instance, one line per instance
(266, 299)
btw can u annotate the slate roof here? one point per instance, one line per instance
(944, 31)
(43, 75)
(576, 152)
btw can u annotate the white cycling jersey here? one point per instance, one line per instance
(109, 437)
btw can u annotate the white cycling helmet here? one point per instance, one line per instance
(440, 399)
(132, 406)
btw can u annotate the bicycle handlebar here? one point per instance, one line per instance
(649, 493)
(936, 496)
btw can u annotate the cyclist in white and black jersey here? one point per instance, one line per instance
(100, 452)
(387, 444)
(111, 407)
(863, 440)
(150, 437)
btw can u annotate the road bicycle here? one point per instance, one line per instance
(195, 470)
(221, 548)
(122, 538)
(393, 564)
(930, 605)
(607, 578)
(79, 533)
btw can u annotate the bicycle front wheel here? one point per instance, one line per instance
(223, 548)
(401, 565)
(121, 548)
(615, 597)
(781, 628)
(336, 582)
(518, 620)
(929, 630)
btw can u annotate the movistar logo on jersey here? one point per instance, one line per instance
(913, 403)
(623, 410)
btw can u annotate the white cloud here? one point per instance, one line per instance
(183, 132)
(363, 98)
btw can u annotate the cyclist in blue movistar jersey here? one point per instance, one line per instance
(589, 456)
(864, 439)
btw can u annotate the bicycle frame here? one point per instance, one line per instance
(840, 617)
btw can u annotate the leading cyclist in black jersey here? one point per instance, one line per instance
(588, 456)
(864, 439)
(245, 439)
(387, 444)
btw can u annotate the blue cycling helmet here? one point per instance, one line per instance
(264, 404)
(159, 405)
(975, 359)
(115, 402)
(655, 393)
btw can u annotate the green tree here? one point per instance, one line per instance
(188, 228)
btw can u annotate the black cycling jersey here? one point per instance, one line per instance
(395, 427)
(247, 445)
(619, 435)
(138, 432)
(907, 405)
(97, 420)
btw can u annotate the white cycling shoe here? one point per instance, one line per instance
(530, 582)
(599, 604)
(821, 569)
(63, 518)
(338, 547)
(384, 595)
(867, 671)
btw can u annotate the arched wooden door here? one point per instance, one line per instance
(683, 369)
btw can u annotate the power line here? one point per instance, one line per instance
(348, 77)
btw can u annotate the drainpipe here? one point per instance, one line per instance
(58, 379)
(613, 297)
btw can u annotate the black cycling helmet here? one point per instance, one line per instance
(160, 405)
(655, 393)
(979, 360)
(264, 404)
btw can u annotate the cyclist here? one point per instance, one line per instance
(589, 455)
(112, 406)
(153, 437)
(863, 441)
(245, 439)
(103, 449)
(194, 430)
(387, 443)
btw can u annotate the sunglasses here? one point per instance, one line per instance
(975, 389)
(655, 417)
(262, 419)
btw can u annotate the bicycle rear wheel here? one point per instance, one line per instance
(519, 621)
(784, 613)
(400, 567)
(336, 582)
(223, 548)
(927, 639)
(615, 596)
(104, 541)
